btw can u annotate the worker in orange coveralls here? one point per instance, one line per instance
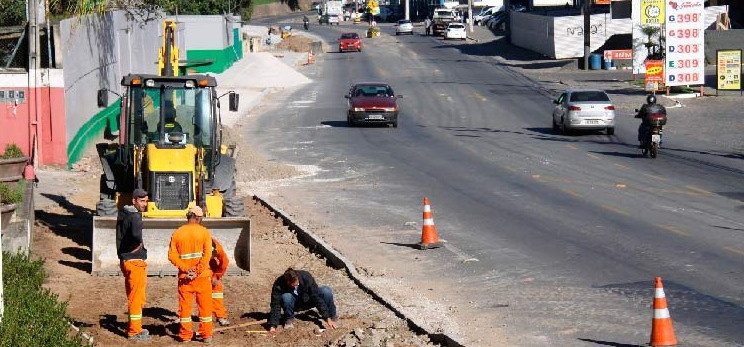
(218, 265)
(132, 256)
(190, 251)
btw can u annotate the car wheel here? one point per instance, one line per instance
(610, 131)
(397, 33)
(564, 131)
(555, 126)
(395, 124)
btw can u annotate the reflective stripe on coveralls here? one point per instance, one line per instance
(135, 282)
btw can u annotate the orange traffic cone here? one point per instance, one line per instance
(310, 57)
(662, 333)
(429, 238)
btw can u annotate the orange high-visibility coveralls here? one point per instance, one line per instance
(191, 247)
(218, 265)
(135, 281)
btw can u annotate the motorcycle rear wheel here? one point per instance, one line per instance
(654, 149)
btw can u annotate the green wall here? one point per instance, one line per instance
(93, 131)
(222, 59)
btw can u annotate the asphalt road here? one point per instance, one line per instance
(550, 239)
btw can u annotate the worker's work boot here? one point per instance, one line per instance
(223, 322)
(289, 324)
(143, 335)
(207, 340)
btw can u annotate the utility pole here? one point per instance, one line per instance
(587, 9)
(470, 15)
(507, 22)
(408, 13)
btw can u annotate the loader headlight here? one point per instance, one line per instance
(149, 83)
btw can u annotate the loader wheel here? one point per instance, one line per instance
(233, 207)
(106, 208)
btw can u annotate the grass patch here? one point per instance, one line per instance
(33, 316)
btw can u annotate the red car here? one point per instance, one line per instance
(350, 42)
(372, 102)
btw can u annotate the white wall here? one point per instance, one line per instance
(563, 37)
(533, 32)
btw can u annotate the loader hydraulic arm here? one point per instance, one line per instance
(168, 57)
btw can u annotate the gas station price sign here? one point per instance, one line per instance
(685, 43)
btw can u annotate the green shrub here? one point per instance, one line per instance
(12, 151)
(33, 317)
(11, 196)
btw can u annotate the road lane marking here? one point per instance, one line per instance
(620, 185)
(616, 210)
(479, 96)
(569, 146)
(673, 229)
(655, 177)
(593, 156)
(734, 250)
(621, 166)
(572, 193)
(699, 190)
(381, 72)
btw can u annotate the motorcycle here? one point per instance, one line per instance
(306, 23)
(652, 135)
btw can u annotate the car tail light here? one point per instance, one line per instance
(574, 108)
(610, 108)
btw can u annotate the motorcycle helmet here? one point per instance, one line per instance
(651, 99)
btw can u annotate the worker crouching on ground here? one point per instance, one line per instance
(296, 290)
(132, 255)
(218, 265)
(190, 251)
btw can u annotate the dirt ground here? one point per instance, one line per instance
(62, 235)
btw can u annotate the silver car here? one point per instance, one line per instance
(404, 26)
(587, 109)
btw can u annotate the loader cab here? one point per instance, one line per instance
(171, 114)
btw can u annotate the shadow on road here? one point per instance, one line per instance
(608, 343)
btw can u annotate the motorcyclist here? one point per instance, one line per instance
(305, 22)
(650, 107)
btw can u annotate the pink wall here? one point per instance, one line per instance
(16, 126)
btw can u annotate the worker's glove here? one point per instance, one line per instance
(191, 274)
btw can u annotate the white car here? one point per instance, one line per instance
(455, 31)
(404, 26)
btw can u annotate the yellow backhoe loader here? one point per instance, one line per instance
(170, 144)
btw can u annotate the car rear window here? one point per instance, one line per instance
(589, 96)
(456, 26)
(349, 36)
(377, 90)
(404, 22)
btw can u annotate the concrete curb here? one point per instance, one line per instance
(316, 244)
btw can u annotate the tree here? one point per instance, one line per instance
(13, 12)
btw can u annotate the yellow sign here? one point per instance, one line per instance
(652, 11)
(729, 69)
(373, 6)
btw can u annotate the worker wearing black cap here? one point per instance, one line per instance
(132, 254)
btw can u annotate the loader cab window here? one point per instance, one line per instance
(160, 112)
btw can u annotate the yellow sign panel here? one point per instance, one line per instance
(729, 69)
(652, 11)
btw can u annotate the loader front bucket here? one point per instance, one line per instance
(233, 233)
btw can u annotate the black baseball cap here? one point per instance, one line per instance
(139, 193)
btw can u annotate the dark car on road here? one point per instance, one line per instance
(373, 103)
